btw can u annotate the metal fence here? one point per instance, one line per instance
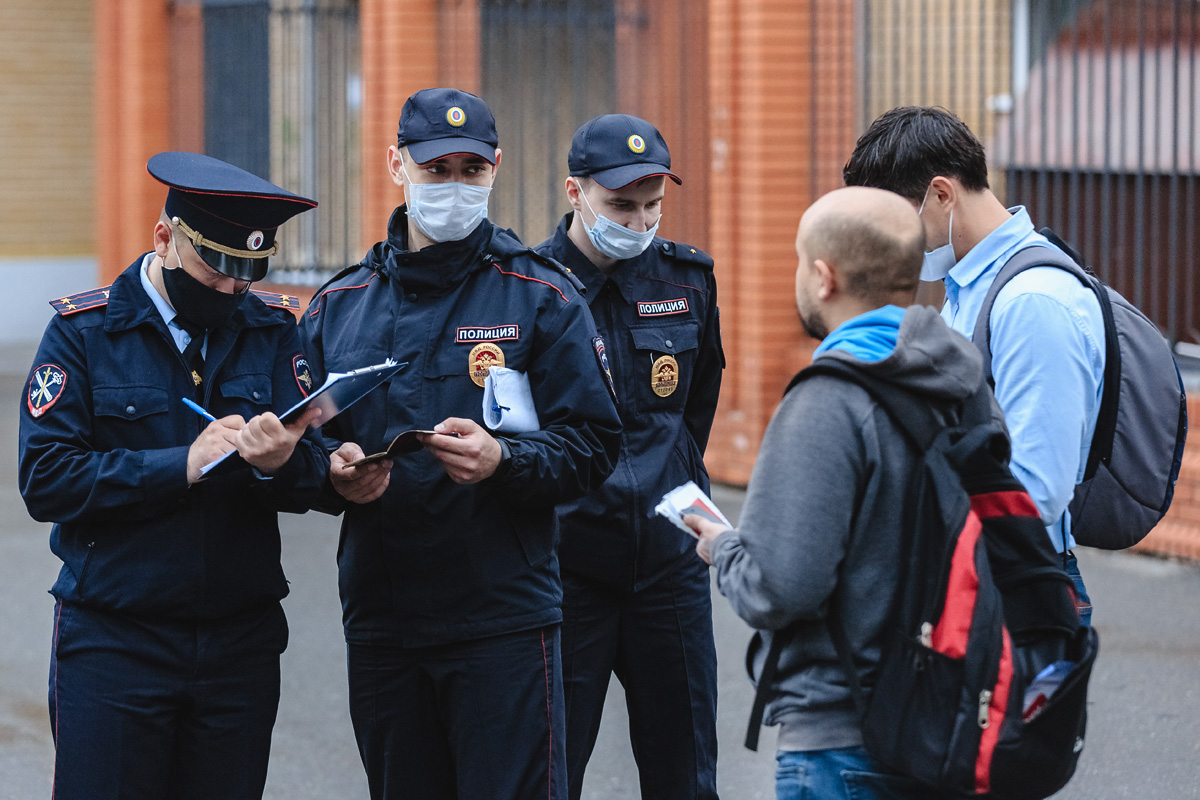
(1088, 110)
(282, 94)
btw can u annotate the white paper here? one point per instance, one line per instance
(508, 402)
(689, 499)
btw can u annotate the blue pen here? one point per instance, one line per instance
(199, 409)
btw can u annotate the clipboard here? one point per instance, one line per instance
(339, 391)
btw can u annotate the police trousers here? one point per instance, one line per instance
(476, 720)
(163, 709)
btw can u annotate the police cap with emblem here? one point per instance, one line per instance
(436, 123)
(230, 215)
(615, 150)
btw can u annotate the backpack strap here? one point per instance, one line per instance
(1039, 255)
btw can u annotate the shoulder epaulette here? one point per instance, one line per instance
(501, 250)
(685, 252)
(339, 275)
(92, 298)
(277, 300)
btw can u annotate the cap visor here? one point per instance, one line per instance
(424, 152)
(236, 267)
(620, 177)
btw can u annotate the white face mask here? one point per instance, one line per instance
(939, 261)
(616, 241)
(446, 212)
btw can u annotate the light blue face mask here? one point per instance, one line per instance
(617, 241)
(939, 261)
(446, 212)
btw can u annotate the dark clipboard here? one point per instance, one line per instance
(339, 391)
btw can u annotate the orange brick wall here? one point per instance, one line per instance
(132, 119)
(1179, 532)
(763, 95)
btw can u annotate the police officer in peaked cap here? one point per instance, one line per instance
(448, 567)
(635, 594)
(164, 672)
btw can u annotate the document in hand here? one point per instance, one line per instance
(339, 391)
(689, 499)
(406, 442)
(508, 402)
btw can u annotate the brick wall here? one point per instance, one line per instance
(46, 119)
(1179, 532)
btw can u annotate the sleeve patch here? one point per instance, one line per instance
(303, 374)
(45, 387)
(602, 361)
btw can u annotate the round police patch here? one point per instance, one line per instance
(482, 358)
(255, 240)
(456, 117)
(303, 374)
(664, 376)
(45, 387)
(637, 144)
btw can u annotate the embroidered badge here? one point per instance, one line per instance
(658, 308)
(637, 144)
(456, 117)
(255, 240)
(498, 333)
(303, 374)
(602, 360)
(664, 376)
(45, 387)
(482, 358)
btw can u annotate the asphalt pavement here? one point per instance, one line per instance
(1144, 702)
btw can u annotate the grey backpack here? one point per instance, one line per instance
(1142, 424)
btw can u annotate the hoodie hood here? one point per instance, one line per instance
(930, 359)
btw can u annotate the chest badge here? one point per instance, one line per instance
(483, 357)
(664, 376)
(45, 387)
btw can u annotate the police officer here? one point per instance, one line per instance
(636, 597)
(164, 674)
(448, 571)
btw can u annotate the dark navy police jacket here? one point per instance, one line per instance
(656, 312)
(104, 439)
(432, 561)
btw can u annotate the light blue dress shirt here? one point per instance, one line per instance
(181, 337)
(1047, 361)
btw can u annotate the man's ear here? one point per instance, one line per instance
(395, 167)
(162, 239)
(827, 280)
(943, 192)
(573, 192)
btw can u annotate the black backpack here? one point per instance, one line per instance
(1137, 448)
(983, 608)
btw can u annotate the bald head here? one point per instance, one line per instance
(873, 238)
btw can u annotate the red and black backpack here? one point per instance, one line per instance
(981, 688)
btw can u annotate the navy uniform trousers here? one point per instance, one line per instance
(161, 709)
(426, 718)
(659, 643)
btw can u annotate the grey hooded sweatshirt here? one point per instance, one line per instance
(821, 524)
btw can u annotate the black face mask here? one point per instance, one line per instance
(199, 304)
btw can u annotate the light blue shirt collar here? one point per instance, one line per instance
(993, 250)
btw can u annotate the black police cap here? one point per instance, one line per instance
(230, 215)
(617, 149)
(435, 123)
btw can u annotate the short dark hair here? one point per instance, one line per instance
(907, 147)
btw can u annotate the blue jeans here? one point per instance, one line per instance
(843, 774)
(1082, 601)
